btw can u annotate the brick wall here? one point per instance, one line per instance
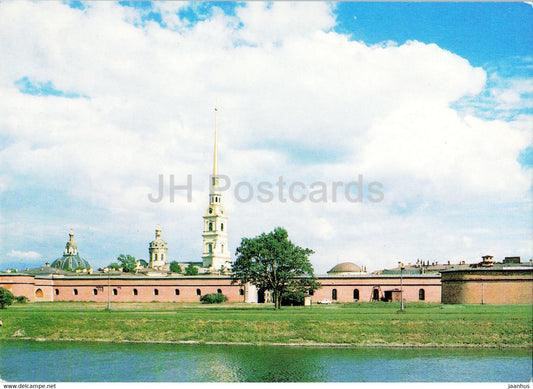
(488, 286)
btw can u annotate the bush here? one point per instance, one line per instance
(175, 267)
(293, 298)
(6, 298)
(22, 299)
(191, 270)
(213, 298)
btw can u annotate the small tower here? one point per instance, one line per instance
(158, 251)
(71, 248)
(216, 254)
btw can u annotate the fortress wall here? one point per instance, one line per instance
(488, 286)
(411, 285)
(147, 290)
(26, 285)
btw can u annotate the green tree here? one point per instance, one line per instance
(6, 298)
(191, 270)
(272, 262)
(175, 267)
(114, 266)
(127, 263)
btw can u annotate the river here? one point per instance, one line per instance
(29, 361)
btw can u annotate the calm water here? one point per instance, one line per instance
(28, 361)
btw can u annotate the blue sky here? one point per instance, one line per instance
(433, 100)
(484, 33)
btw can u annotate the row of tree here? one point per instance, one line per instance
(128, 264)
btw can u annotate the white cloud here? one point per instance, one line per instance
(23, 254)
(288, 88)
(271, 23)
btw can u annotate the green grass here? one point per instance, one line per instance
(357, 324)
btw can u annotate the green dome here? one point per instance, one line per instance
(70, 262)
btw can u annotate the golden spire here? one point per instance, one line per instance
(215, 170)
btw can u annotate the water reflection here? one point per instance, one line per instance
(93, 362)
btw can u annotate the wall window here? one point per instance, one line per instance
(177, 292)
(115, 292)
(421, 294)
(356, 294)
(56, 291)
(95, 292)
(198, 292)
(75, 292)
(219, 291)
(39, 293)
(221, 226)
(210, 226)
(135, 292)
(311, 292)
(241, 292)
(156, 292)
(334, 294)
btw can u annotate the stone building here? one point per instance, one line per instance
(344, 284)
(487, 282)
(158, 252)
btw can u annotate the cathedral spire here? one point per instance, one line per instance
(215, 167)
(216, 255)
(214, 196)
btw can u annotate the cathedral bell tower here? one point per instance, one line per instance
(216, 255)
(158, 251)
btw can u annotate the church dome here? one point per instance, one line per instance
(346, 267)
(71, 260)
(70, 263)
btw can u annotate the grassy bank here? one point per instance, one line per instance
(358, 324)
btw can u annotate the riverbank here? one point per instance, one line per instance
(342, 325)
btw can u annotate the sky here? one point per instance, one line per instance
(400, 131)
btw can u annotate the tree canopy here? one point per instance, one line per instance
(127, 263)
(191, 270)
(114, 266)
(272, 262)
(175, 267)
(6, 298)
